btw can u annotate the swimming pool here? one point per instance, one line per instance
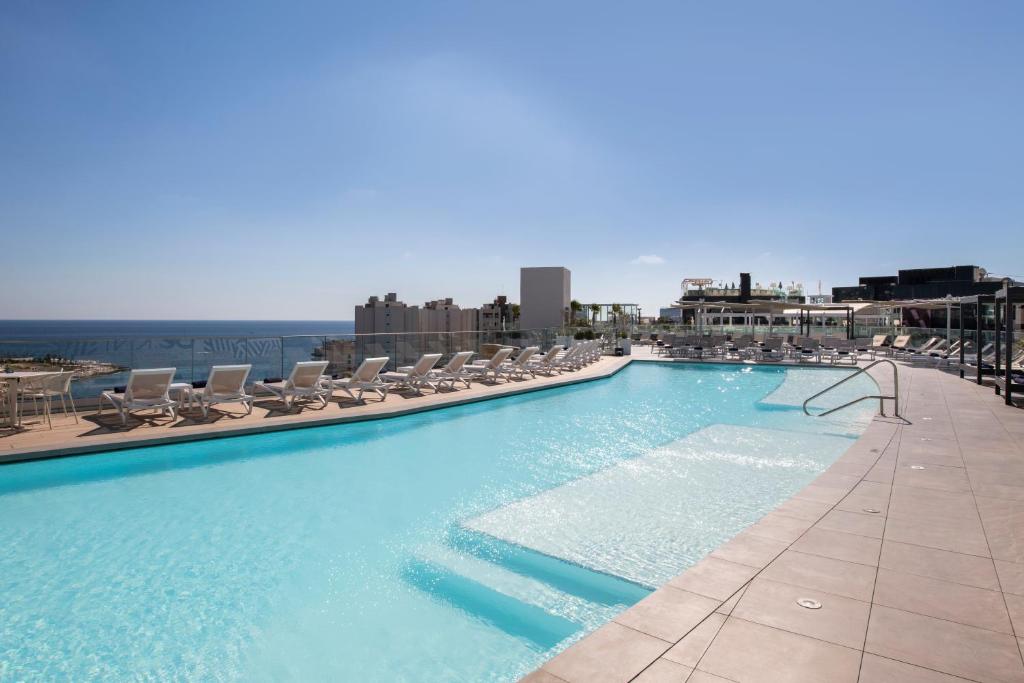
(470, 543)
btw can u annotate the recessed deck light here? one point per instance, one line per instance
(808, 603)
(917, 467)
(871, 510)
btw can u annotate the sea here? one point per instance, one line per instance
(190, 346)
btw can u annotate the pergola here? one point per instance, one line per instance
(976, 300)
(1008, 298)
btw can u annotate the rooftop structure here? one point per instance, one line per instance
(695, 289)
(544, 296)
(921, 283)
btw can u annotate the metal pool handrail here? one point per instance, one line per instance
(881, 399)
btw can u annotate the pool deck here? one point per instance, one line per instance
(912, 543)
(103, 432)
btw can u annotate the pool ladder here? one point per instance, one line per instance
(881, 399)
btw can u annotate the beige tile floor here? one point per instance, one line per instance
(95, 432)
(930, 588)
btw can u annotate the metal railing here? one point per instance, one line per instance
(103, 363)
(881, 398)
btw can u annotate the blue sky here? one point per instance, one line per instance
(286, 160)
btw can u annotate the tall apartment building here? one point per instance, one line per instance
(443, 315)
(389, 328)
(387, 316)
(497, 315)
(544, 296)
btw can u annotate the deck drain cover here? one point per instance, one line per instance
(872, 510)
(917, 467)
(808, 603)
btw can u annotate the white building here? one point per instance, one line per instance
(544, 296)
(386, 317)
(443, 315)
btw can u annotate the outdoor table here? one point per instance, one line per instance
(13, 381)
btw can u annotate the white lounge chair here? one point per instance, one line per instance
(226, 384)
(548, 363)
(365, 378)
(521, 365)
(146, 390)
(454, 370)
(491, 368)
(414, 376)
(304, 382)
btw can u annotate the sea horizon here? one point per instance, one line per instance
(100, 328)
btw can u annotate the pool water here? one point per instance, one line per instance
(470, 543)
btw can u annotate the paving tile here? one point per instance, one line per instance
(822, 494)
(780, 527)
(612, 654)
(1015, 604)
(691, 648)
(970, 570)
(803, 509)
(839, 545)
(875, 669)
(867, 494)
(849, 468)
(754, 551)
(840, 620)
(664, 671)
(881, 473)
(714, 578)
(826, 574)
(729, 605)
(917, 503)
(959, 536)
(704, 677)
(668, 613)
(945, 646)
(1011, 576)
(932, 477)
(836, 480)
(745, 651)
(1004, 522)
(943, 600)
(541, 676)
(860, 523)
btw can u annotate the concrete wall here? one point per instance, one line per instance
(544, 295)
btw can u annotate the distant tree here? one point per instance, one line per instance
(617, 311)
(594, 310)
(575, 307)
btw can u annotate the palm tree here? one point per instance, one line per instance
(575, 307)
(594, 310)
(616, 310)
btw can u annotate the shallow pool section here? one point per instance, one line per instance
(469, 543)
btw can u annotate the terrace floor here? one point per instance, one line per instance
(911, 548)
(99, 432)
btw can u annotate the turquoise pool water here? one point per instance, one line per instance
(463, 544)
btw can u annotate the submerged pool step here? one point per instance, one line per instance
(510, 614)
(566, 577)
(524, 588)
